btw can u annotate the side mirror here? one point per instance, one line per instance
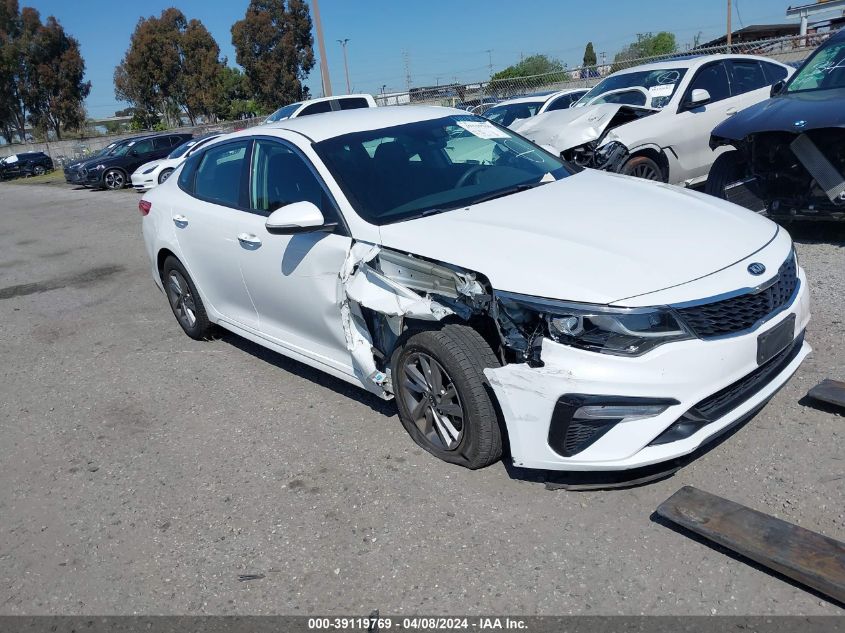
(777, 88)
(699, 97)
(297, 217)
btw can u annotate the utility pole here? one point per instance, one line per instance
(407, 69)
(324, 66)
(729, 25)
(489, 52)
(343, 43)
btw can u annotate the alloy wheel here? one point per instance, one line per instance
(181, 299)
(113, 179)
(433, 401)
(645, 171)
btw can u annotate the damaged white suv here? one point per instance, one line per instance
(654, 121)
(582, 320)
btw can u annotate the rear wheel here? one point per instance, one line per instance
(114, 179)
(727, 168)
(442, 395)
(164, 175)
(185, 300)
(643, 167)
(39, 170)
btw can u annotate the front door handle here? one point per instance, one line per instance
(731, 111)
(180, 220)
(249, 239)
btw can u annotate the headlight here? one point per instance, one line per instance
(610, 155)
(596, 328)
(150, 170)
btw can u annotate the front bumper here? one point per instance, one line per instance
(688, 372)
(144, 182)
(94, 177)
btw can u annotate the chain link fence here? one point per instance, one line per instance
(474, 96)
(790, 50)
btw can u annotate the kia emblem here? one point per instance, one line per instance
(756, 268)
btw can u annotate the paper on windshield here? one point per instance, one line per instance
(483, 129)
(663, 90)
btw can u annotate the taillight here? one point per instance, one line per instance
(144, 206)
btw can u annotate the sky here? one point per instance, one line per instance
(442, 40)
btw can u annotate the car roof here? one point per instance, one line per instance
(319, 127)
(690, 62)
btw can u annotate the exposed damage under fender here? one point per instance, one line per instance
(384, 292)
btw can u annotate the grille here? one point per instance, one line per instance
(741, 313)
(735, 394)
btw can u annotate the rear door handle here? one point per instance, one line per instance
(249, 239)
(180, 220)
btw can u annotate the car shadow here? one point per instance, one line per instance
(818, 232)
(385, 408)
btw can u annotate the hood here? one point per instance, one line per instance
(818, 108)
(565, 129)
(593, 237)
(149, 165)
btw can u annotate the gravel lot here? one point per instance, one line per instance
(143, 472)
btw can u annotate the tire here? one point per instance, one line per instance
(643, 167)
(38, 170)
(164, 175)
(460, 429)
(185, 301)
(114, 179)
(727, 168)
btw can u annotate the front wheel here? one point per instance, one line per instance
(442, 395)
(726, 169)
(164, 175)
(114, 179)
(643, 167)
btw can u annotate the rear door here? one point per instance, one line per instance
(749, 82)
(207, 215)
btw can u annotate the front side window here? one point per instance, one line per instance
(823, 71)
(713, 79)
(220, 173)
(508, 113)
(415, 169)
(317, 108)
(281, 177)
(747, 75)
(563, 102)
(654, 88)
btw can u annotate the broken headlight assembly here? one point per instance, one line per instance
(595, 328)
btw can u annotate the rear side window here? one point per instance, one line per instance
(317, 108)
(747, 75)
(713, 79)
(220, 173)
(353, 103)
(143, 147)
(161, 142)
(774, 73)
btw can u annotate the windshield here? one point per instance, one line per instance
(636, 88)
(283, 113)
(825, 70)
(508, 113)
(425, 167)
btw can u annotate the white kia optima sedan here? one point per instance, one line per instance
(583, 320)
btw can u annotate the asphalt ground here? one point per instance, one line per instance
(142, 472)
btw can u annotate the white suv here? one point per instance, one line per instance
(654, 121)
(514, 301)
(321, 105)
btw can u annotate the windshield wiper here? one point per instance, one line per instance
(510, 191)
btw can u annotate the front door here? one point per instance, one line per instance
(294, 279)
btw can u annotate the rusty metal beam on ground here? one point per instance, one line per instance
(807, 557)
(830, 391)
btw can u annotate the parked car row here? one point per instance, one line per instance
(25, 164)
